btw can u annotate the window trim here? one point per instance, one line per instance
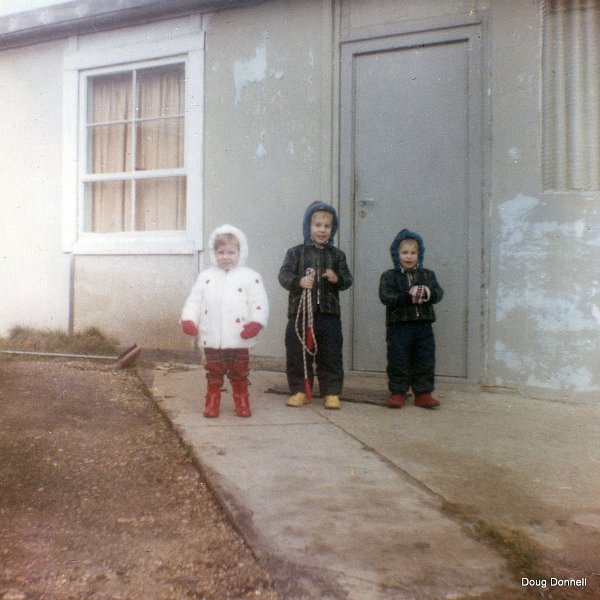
(112, 57)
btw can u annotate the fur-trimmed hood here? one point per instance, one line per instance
(407, 234)
(238, 233)
(313, 208)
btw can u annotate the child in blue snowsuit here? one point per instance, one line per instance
(409, 292)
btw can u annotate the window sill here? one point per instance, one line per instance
(127, 243)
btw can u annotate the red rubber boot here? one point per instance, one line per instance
(241, 398)
(396, 401)
(426, 401)
(212, 403)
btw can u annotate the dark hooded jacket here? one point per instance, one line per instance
(325, 295)
(395, 283)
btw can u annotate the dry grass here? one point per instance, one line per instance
(90, 341)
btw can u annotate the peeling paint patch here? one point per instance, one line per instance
(250, 71)
(580, 228)
(510, 359)
(514, 154)
(309, 156)
(546, 298)
(260, 151)
(569, 377)
(514, 228)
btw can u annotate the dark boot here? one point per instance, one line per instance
(426, 401)
(212, 403)
(241, 399)
(396, 401)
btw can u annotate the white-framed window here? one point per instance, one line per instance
(133, 140)
(571, 96)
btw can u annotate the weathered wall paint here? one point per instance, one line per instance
(544, 264)
(249, 71)
(547, 296)
(264, 94)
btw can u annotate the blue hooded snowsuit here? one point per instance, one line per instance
(409, 332)
(326, 307)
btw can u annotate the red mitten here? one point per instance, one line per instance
(250, 330)
(189, 328)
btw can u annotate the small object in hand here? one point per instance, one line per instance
(419, 293)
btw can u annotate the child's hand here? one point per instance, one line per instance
(330, 275)
(419, 294)
(307, 282)
(250, 330)
(189, 328)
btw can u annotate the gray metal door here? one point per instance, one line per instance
(410, 157)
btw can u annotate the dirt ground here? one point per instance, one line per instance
(98, 499)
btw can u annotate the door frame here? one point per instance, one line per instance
(470, 32)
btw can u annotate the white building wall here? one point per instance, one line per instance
(34, 273)
(545, 247)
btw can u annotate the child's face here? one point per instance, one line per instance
(409, 253)
(228, 255)
(321, 224)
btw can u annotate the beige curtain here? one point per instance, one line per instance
(571, 95)
(109, 100)
(154, 203)
(160, 203)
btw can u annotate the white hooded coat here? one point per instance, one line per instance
(222, 302)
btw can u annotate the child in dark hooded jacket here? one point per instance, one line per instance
(316, 265)
(409, 292)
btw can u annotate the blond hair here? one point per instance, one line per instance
(322, 212)
(225, 238)
(408, 241)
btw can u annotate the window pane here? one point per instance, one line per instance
(160, 204)
(159, 144)
(160, 91)
(109, 101)
(110, 148)
(160, 106)
(122, 140)
(108, 206)
(109, 97)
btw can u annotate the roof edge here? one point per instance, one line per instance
(88, 16)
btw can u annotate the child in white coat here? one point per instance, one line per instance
(227, 308)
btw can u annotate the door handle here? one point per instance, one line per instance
(367, 202)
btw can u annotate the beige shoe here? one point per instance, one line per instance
(297, 399)
(332, 402)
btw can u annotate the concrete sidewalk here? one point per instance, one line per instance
(370, 503)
